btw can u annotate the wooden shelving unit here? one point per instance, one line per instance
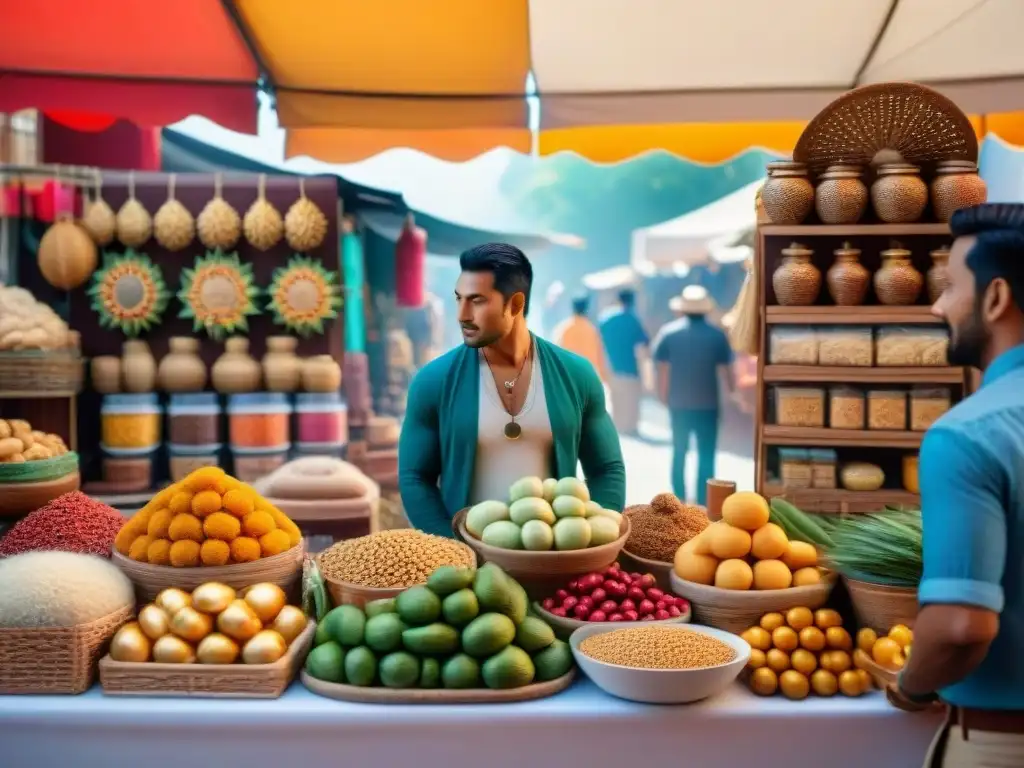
(851, 444)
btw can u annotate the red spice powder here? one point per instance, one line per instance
(73, 522)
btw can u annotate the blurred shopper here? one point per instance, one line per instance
(624, 340)
(693, 358)
(579, 335)
(969, 629)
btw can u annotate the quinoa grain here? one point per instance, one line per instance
(392, 558)
(657, 648)
(658, 529)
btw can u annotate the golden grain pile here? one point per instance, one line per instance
(658, 529)
(396, 558)
(658, 648)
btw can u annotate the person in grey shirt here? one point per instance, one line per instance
(692, 355)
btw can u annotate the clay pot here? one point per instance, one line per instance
(847, 278)
(182, 370)
(105, 372)
(899, 195)
(796, 281)
(235, 371)
(897, 283)
(788, 194)
(937, 277)
(138, 367)
(841, 197)
(956, 185)
(282, 369)
(321, 373)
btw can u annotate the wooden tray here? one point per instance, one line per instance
(377, 695)
(208, 681)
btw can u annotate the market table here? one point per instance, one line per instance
(581, 727)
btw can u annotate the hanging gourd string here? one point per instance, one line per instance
(262, 186)
(217, 185)
(131, 185)
(302, 187)
(171, 183)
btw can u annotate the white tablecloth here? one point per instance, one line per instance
(581, 727)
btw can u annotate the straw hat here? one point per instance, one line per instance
(694, 300)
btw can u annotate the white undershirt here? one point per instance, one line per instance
(500, 461)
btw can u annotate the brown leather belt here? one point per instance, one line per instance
(987, 720)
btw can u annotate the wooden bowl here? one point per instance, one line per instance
(737, 610)
(565, 627)
(21, 498)
(657, 568)
(285, 570)
(538, 571)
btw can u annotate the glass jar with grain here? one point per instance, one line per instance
(848, 345)
(194, 419)
(927, 404)
(846, 407)
(792, 345)
(130, 422)
(887, 409)
(823, 468)
(795, 467)
(799, 406)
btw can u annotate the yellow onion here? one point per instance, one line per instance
(265, 648)
(189, 624)
(154, 622)
(130, 644)
(212, 597)
(216, 648)
(173, 650)
(173, 600)
(289, 623)
(238, 621)
(266, 600)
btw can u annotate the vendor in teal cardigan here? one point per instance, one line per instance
(504, 405)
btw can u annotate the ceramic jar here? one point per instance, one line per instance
(321, 373)
(796, 281)
(105, 372)
(897, 283)
(787, 195)
(138, 367)
(956, 185)
(847, 278)
(235, 370)
(282, 369)
(182, 370)
(899, 195)
(841, 197)
(937, 277)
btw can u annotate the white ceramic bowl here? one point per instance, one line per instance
(661, 686)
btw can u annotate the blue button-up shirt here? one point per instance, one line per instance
(622, 333)
(972, 507)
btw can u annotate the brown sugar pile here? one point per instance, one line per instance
(658, 529)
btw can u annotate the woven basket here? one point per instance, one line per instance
(214, 681)
(56, 660)
(285, 570)
(21, 498)
(32, 371)
(39, 471)
(881, 606)
(736, 610)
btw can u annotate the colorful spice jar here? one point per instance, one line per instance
(322, 417)
(130, 422)
(259, 420)
(128, 469)
(254, 463)
(186, 459)
(193, 419)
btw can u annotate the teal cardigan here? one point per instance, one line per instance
(437, 449)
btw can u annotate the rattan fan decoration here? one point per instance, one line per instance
(885, 123)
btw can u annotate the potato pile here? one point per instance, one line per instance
(29, 324)
(209, 518)
(803, 651)
(744, 551)
(20, 443)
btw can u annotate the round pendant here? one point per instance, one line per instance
(513, 431)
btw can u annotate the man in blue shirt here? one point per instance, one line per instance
(692, 356)
(969, 632)
(624, 337)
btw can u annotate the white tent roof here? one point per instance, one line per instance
(691, 237)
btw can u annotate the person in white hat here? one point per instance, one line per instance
(693, 357)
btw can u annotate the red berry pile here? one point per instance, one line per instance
(614, 595)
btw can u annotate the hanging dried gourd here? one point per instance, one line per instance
(263, 225)
(129, 293)
(173, 226)
(134, 224)
(98, 218)
(67, 255)
(303, 295)
(219, 224)
(305, 225)
(218, 294)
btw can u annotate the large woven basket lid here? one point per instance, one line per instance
(922, 125)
